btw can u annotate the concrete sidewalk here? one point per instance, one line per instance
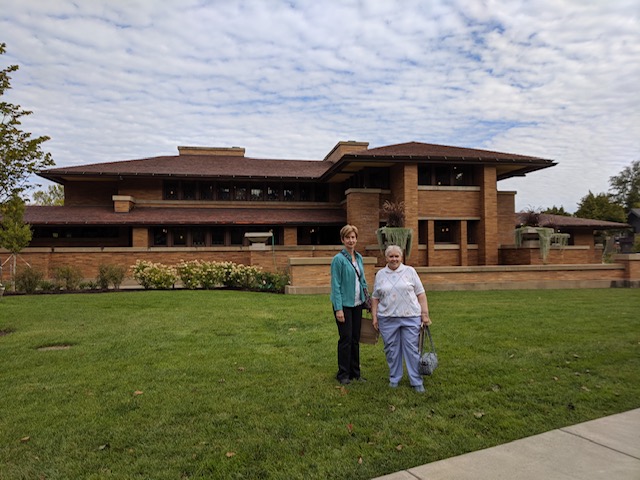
(606, 448)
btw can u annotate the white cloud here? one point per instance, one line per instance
(113, 80)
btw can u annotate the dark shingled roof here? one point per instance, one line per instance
(204, 166)
(45, 215)
(426, 150)
(562, 221)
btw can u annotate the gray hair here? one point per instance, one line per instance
(392, 248)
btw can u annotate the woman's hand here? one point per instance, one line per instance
(426, 321)
(340, 316)
(375, 324)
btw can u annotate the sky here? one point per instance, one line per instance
(112, 80)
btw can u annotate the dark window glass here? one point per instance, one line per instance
(424, 175)
(273, 193)
(240, 193)
(224, 192)
(463, 175)
(171, 191)
(199, 237)
(160, 237)
(472, 232)
(179, 237)
(322, 194)
(257, 194)
(305, 193)
(189, 191)
(289, 193)
(237, 235)
(443, 175)
(217, 236)
(445, 231)
(206, 191)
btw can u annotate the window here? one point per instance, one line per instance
(223, 192)
(206, 191)
(188, 190)
(240, 193)
(199, 237)
(289, 193)
(171, 191)
(473, 227)
(257, 194)
(445, 231)
(273, 193)
(180, 237)
(160, 236)
(445, 175)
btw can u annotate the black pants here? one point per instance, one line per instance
(349, 343)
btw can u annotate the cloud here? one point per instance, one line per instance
(113, 80)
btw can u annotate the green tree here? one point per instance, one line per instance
(556, 211)
(20, 155)
(14, 233)
(54, 195)
(625, 187)
(600, 207)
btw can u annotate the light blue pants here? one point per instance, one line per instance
(400, 336)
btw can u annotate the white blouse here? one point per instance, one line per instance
(397, 291)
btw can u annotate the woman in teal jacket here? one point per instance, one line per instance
(348, 285)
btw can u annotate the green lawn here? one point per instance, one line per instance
(229, 384)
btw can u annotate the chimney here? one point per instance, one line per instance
(345, 147)
(216, 151)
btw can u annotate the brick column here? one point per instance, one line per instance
(462, 241)
(488, 241)
(140, 237)
(290, 235)
(363, 211)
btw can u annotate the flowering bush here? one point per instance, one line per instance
(201, 274)
(154, 275)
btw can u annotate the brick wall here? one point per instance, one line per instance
(443, 203)
(363, 211)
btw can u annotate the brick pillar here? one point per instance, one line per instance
(431, 242)
(404, 188)
(290, 235)
(462, 241)
(140, 237)
(363, 211)
(488, 241)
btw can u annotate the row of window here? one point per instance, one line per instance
(245, 191)
(439, 175)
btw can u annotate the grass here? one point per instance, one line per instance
(229, 384)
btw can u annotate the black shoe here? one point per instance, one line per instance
(344, 381)
(359, 379)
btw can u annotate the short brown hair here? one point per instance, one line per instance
(347, 229)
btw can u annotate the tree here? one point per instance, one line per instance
(14, 233)
(625, 187)
(556, 211)
(20, 155)
(54, 195)
(600, 207)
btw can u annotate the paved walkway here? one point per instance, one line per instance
(607, 448)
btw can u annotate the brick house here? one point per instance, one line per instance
(207, 202)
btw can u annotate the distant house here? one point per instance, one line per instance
(213, 203)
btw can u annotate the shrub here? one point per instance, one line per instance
(190, 273)
(272, 282)
(28, 279)
(68, 277)
(211, 275)
(109, 274)
(154, 275)
(49, 286)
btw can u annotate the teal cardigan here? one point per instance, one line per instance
(343, 281)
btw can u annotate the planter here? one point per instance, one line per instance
(403, 237)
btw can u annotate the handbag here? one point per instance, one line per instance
(429, 359)
(368, 334)
(367, 297)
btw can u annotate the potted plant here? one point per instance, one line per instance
(394, 233)
(531, 234)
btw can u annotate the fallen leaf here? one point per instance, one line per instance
(350, 427)
(399, 447)
(360, 460)
(495, 388)
(585, 388)
(138, 392)
(104, 447)
(555, 378)
(25, 439)
(478, 414)
(231, 454)
(241, 369)
(392, 408)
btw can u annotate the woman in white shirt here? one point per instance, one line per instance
(399, 308)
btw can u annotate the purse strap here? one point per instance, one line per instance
(421, 341)
(354, 267)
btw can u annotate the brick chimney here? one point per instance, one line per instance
(345, 147)
(216, 151)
